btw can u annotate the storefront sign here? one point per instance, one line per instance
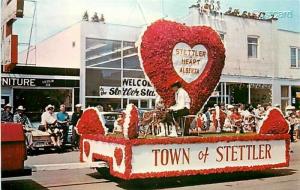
(32, 82)
(132, 87)
(178, 157)
(189, 62)
(8, 81)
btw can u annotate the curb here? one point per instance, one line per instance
(67, 166)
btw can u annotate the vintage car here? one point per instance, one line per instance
(110, 118)
(41, 139)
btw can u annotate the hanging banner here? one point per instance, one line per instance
(132, 88)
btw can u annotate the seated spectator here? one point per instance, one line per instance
(49, 122)
(237, 121)
(6, 115)
(229, 11)
(244, 14)
(21, 118)
(63, 121)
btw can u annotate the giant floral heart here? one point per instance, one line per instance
(274, 123)
(194, 56)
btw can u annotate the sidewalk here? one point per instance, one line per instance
(53, 158)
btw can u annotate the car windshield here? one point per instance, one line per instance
(111, 117)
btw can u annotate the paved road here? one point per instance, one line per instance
(275, 179)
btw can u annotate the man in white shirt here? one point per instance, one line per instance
(49, 122)
(183, 101)
(181, 107)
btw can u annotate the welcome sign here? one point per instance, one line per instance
(132, 88)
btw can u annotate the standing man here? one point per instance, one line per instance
(75, 117)
(182, 105)
(21, 118)
(6, 115)
(63, 121)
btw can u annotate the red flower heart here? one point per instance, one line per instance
(118, 153)
(90, 122)
(156, 50)
(274, 123)
(86, 147)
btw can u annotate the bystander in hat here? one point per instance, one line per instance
(21, 108)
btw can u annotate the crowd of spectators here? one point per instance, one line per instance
(240, 118)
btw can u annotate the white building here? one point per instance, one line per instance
(262, 61)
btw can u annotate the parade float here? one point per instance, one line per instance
(194, 56)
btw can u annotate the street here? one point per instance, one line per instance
(85, 178)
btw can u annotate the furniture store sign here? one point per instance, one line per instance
(33, 82)
(131, 88)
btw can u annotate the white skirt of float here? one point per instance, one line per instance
(163, 130)
(173, 131)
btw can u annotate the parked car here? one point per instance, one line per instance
(110, 118)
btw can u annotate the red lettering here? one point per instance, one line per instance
(155, 156)
(268, 149)
(220, 154)
(164, 157)
(249, 148)
(260, 155)
(186, 156)
(226, 152)
(253, 151)
(233, 153)
(175, 156)
(241, 151)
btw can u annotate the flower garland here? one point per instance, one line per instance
(130, 126)
(155, 52)
(274, 123)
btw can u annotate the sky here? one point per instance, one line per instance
(53, 16)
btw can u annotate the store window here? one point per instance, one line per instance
(252, 47)
(107, 64)
(131, 62)
(144, 103)
(103, 53)
(115, 103)
(134, 101)
(133, 74)
(129, 48)
(295, 57)
(35, 100)
(260, 94)
(101, 77)
(285, 97)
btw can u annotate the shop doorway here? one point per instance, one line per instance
(4, 100)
